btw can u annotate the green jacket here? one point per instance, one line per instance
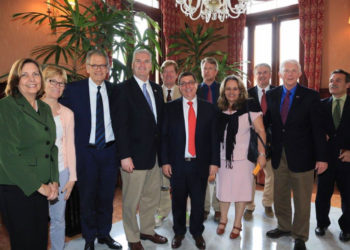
(28, 155)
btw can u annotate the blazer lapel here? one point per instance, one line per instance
(295, 103)
(198, 120)
(21, 101)
(277, 103)
(345, 112)
(158, 98)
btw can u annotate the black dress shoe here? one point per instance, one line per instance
(344, 236)
(200, 242)
(299, 244)
(89, 246)
(320, 231)
(276, 233)
(176, 242)
(110, 242)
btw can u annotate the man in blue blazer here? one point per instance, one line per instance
(190, 151)
(97, 165)
(336, 121)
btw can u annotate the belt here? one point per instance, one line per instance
(107, 145)
(190, 159)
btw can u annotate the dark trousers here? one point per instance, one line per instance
(341, 176)
(97, 175)
(186, 181)
(25, 217)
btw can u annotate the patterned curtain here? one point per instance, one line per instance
(116, 3)
(170, 23)
(311, 14)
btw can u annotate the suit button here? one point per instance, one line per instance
(46, 128)
(46, 156)
(47, 143)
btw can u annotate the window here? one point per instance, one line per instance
(259, 6)
(151, 3)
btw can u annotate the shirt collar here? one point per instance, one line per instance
(93, 85)
(266, 89)
(292, 91)
(343, 98)
(194, 100)
(140, 82)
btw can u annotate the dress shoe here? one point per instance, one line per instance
(235, 235)
(299, 244)
(135, 246)
(156, 238)
(221, 230)
(176, 242)
(344, 236)
(200, 242)
(276, 233)
(110, 242)
(217, 216)
(269, 212)
(89, 245)
(206, 213)
(248, 214)
(320, 231)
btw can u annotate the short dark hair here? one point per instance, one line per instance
(186, 73)
(341, 71)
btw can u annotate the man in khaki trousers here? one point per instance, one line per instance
(169, 73)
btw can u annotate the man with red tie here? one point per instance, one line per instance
(189, 152)
(262, 73)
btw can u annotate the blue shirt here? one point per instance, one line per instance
(213, 90)
(292, 94)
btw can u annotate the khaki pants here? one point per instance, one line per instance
(267, 199)
(141, 189)
(301, 185)
(214, 200)
(165, 200)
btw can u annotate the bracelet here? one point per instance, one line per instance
(262, 154)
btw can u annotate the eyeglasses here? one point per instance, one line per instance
(98, 66)
(26, 75)
(187, 83)
(55, 83)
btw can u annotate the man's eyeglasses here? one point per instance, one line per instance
(187, 83)
(98, 66)
(55, 83)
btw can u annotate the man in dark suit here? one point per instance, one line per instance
(209, 90)
(298, 148)
(336, 120)
(189, 152)
(138, 110)
(97, 165)
(262, 73)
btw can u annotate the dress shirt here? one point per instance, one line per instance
(213, 90)
(165, 92)
(106, 114)
(186, 107)
(260, 93)
(150, 92)
(341, 103)
(292, 93)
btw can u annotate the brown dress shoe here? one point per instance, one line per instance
(217, 216)
(200, 242)
(176, 243)
(156, 238)
(135, 246)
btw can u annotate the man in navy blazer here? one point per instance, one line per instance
(336, 121)
(298, 148)
(138, 115)
(189, 152)
(97, 165)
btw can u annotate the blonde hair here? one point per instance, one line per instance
(51, 71)
(223, 103)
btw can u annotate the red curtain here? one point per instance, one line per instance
(170, 23)
(235, 32)
(116, 3)
(311, 14)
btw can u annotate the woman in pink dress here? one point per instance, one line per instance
(235, 179)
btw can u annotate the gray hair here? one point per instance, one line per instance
(141, 51)
(292, 61)
(96, 52)
(262, 65)
(210, 60)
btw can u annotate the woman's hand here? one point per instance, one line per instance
(68, 189)
(44, 190)
(262, 161)
(54, 191)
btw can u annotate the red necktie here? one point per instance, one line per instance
(263, 103)
(168, 98)
(285, 107)
(191, 130)
(210, 95)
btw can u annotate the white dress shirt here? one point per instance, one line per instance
(260, 93)
(150, 92)
(171, 92)
(109, 136)
(186, 107)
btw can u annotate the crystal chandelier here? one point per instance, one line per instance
(213, 9)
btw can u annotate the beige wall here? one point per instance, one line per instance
(336, 43)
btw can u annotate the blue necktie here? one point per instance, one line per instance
(146, 94)
(100, 124)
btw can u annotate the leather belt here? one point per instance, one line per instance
(190, 159)
(107, 145)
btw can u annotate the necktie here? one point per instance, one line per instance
(263, 103)
(168, 98)
(285, 107)
(100, 124)
(336, 113)
(210, 95)
(191, 129)
(146, 94)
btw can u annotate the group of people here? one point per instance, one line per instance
(169, 138)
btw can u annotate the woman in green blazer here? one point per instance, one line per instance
(28, 157)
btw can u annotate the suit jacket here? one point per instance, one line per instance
(302, 136)
(137, 132)
(177, 93)
(202, 92)
(76, 97)
(174, 136)
(253, 93)
(28, 155)
(338, 138)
